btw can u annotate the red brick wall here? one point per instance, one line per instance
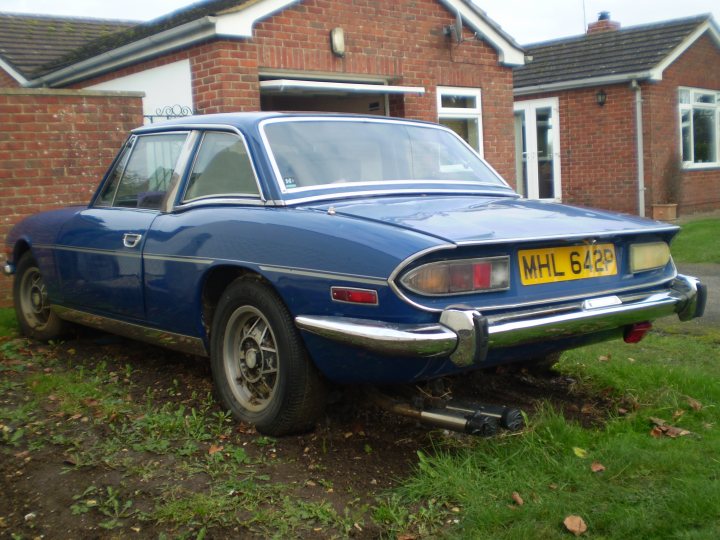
(55, 145)
(597, 148)
(698, 67)
(6, 81)
(401, 40)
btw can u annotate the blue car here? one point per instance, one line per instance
(298, 250)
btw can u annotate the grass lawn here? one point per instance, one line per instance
(698, 242)
(650, 486)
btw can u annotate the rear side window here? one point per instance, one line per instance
(222, 167)
(142, 179)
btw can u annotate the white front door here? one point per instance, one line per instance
(537, 149)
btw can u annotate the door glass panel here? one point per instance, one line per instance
(521, 154)
(147, 175)
(546, 176)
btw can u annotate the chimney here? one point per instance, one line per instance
(603, 24)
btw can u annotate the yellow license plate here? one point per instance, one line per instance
(566, 263)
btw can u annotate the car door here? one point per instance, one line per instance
(99, 251)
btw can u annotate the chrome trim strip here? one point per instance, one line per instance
(224, 200)
(169, 340)
(181, 167)
(369, 280)
(456, 331)
(177, 258)
(578, 236)
(111, 252)
(397, 193)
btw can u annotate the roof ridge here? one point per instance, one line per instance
(66, 18)
(623, 30)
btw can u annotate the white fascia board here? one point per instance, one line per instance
(282, 85)
(584, 83)
(12, 72)
(137, 51)
(241, 22)
(684, 46)
(508, 53)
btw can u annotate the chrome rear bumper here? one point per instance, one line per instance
(467, 335)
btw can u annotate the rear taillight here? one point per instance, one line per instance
(458, 277)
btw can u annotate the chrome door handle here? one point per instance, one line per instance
(131, 240)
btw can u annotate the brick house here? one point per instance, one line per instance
(586, 107)
(399, 58)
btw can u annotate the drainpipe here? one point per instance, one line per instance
(639, 146)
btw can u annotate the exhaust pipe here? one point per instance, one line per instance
(482, 420)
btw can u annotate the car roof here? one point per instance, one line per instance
(245, 120)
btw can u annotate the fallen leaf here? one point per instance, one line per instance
(214, 449)
(604, 358)
(597, 467)
(575, 524)
(656, 432)
(674, 432)
(517, 498)
(694, 404)
(406, 537)
(658, 421)
(580, 452)
(677, 414)
(587, 408)
(553, 486)
(622, 412)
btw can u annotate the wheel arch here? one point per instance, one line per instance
(215, 282)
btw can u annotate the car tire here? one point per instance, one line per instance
(32, 307)
(261, 370)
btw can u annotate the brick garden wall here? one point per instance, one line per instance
(55, 145)
(402, 41)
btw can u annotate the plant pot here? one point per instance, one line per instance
(664, 212)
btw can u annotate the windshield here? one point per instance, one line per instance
(319, 152)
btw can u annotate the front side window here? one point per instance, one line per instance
(222, 167)
(699, 127)
(142, 179)
(460, 110)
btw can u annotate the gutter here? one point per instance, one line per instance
(153, 45)
(652, 75)
(14, 73)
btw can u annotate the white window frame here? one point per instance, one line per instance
(688, 107)
(455, 113)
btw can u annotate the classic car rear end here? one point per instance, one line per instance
(300, 249)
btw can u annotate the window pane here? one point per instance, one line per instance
(686, 136)
(222, 167)
(704, 136)
(705, 98)
(108, 193)
(467, 128)
(148, 173)
(458, 102)
(684, 96)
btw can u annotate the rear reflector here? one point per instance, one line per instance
(636, 332)
(354, 296)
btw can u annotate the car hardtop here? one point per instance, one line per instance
(250, 121)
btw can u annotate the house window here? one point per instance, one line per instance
(460, 110)
(699, 127)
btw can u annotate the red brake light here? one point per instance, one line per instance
(354, 296)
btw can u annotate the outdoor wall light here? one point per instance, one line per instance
(337, 41)
(601, 97)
